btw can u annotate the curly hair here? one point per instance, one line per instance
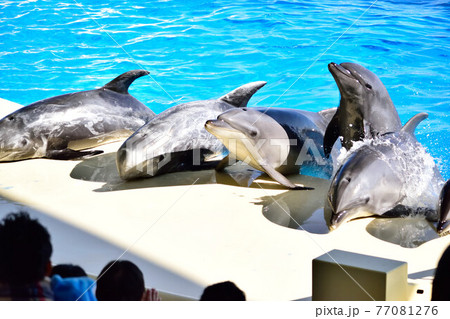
(25, 249)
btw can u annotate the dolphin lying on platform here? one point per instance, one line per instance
(365, 110)
(390, 175)
(276, 141)
(60, 127)
(176, 140)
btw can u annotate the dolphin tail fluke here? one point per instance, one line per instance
(331, 135)
(69, 154)
(239, 97)
(411, 125)
(121, 83)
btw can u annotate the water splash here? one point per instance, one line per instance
(410, 161)
(408, 232)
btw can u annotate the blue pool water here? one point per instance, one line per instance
(203, 49)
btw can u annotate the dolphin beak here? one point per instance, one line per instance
(216, 123)
(334, 68)
(209, 124)
(121, 162)
(218, 127)
(130, 168)
(337, 219)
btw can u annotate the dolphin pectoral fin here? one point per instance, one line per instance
(399, 211)
(121, 83)
(331, 135)
(69, 154)
(111, 137)
(280, 178)
(239, 97)
(411, 125)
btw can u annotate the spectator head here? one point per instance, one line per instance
(119, 281)
(68, 271)
(224, 291)
(25, 250)
(441, 282)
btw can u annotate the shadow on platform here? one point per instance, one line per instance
(103, 169)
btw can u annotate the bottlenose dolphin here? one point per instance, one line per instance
(274, 140)
(60, 127)
(443, 207)
(176, 140)
(365, 109)
(390, 175)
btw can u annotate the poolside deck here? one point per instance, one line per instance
(205, 232)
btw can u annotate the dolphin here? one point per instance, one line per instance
(390, 175)
(60, 127)
(276, 141)
(365, 110)
(443, 207)
(176, 140)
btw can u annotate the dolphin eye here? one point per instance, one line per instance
(368, 86)
(24, 142)
(11, 118)
(253, 133)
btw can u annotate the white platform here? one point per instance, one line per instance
(202, 233)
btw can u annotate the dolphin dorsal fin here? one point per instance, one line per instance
(239, 97)
(121, 83)
(328, 113)
(411, 125)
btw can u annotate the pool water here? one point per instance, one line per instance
(203, 49)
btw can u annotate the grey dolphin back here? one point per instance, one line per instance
(121, 83)
(239, 97)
